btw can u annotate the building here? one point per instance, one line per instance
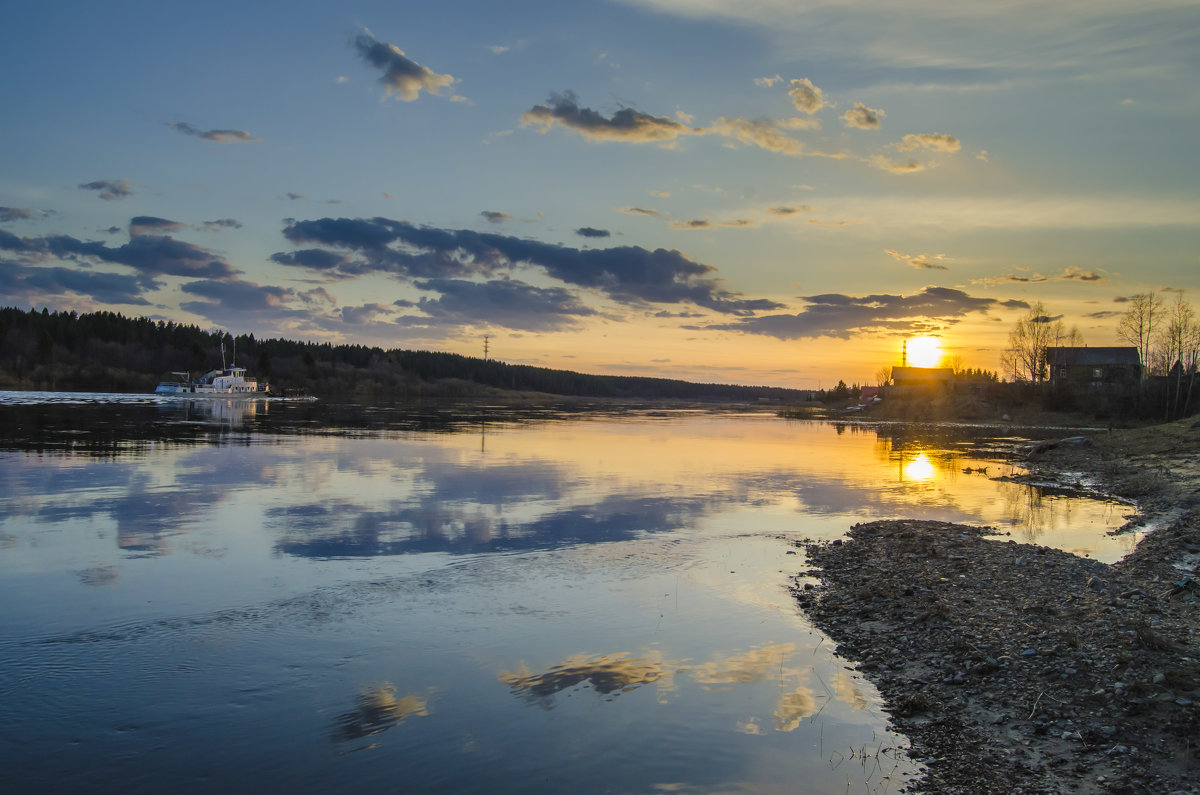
(1094, 366)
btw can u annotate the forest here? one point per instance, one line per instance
(108, 352)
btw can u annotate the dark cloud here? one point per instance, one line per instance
(843, 316)
(803, 208)
(23, 282)
(235, 294)
(110, 189)
(495, 216)
(591, 231)
(640, 211)
(222, 223)
(401, 76)
(1104, 314)
(502, 302)
(367, 313)
(1070, 273)
(805, 96)
(317, 259)
(704, 223)
(629, 274)
(216, 136)
(8, 214)
(148, 224)
(625, 125)
(152, 255)
(290, 196)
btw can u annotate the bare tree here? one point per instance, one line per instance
(883, 376)
(1025, 359)
(1178, 352)
(1137, 325)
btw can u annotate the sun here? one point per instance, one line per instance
(924, 352)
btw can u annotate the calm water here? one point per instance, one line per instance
(203, 597)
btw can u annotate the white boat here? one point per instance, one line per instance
(229, 381)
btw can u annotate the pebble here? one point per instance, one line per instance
(1029, 653)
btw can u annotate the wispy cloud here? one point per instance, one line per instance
(110, 189)
(149, 225)
(1071, 273)
(216, 136)
(495, 216)
(919, 261)
(934, 141)
(9, 214)
(591, 231)
(402, 77)
(626, 124)
(640, 211)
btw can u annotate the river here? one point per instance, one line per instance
(288, 596)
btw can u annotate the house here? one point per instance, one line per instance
(1094, 366)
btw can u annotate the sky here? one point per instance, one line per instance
(763, 192)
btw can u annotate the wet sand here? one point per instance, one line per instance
(1018, 668)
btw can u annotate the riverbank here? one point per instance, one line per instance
(1018, 668)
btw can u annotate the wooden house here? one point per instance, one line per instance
(1094, 366)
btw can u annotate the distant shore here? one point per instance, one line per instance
(1017, 668)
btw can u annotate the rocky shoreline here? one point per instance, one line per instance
(1018, 668)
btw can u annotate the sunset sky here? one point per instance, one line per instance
(766, 191)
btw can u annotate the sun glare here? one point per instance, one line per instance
(924, 352)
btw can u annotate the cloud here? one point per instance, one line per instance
(8, 214)
(627, 274)
(704, 223)
(509, 303)
(844, 316)
(148, 224)
(27, 284)
(762, 133)
(591, 231)
(366, 313)
(639, 211)
(498, 49)
(919, 261)
(863, 118)
(110, 189)
(787, 210)
(983, 155)
(625, 125)
(1071, 273)
(290, 196)
(316, 259)
(402, 76)
(151, 255)
(660, 194)
(934, 141)
(1104, 314)
(496, 217)
(216, 136)
(767, 82)
(887, 164)
(805, 96)
(221, 223)
(234, 294)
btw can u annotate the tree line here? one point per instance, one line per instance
(108, 352)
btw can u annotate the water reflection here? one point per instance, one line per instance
(607, 674)
(376, 711)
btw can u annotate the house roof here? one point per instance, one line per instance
(1093, 357)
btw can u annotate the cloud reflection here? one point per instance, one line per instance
(376, 711)
(606, 673)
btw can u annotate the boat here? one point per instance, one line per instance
(228, 382)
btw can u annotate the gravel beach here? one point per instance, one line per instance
(1019, 668)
